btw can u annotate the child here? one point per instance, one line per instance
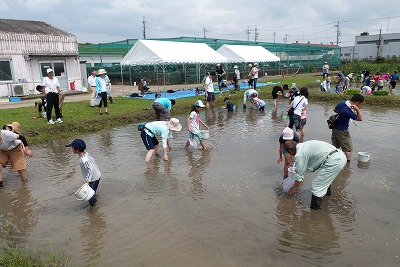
(229, 104)
(194, 127)
(339, 87)
(40, 103)
(89, 169)
(258, 103)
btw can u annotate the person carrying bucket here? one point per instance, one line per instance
(194, 126)
(89, 169)
(311, 156)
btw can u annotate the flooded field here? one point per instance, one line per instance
(222, 207)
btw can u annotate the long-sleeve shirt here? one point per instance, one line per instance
(89, 169)
(310, 156)
(249, 94)
(165, 102)
(8, 140)
(158, 128)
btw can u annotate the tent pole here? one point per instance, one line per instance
(158, 81)
(184, 69)
(122, 82)
(165, 92)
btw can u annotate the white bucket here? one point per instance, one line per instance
(84, 193)
(291, 172)
(287, 183)
(206, 134)
(363, 156)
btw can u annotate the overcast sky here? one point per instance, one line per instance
(306, 20)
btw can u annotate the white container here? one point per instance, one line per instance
(363, 156)
(287, 183)
(84, 193)
(206, 134)
(291, 172)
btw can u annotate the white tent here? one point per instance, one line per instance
(246, 53)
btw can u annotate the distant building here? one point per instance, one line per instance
(372, 46)
(28, 48)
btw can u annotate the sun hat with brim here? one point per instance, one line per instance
(174, 125)
(78, 144)
(15, 126)
(287, 134)
(199, 103)
(235, 67)
(328, 79)
(101, 71)
(49, 70)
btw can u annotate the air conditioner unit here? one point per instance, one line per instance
(19, 90)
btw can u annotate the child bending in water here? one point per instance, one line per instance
(194, 125)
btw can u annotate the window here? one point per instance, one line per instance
(5, 70)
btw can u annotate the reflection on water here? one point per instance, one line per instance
(221, 207)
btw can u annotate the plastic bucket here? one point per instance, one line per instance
(363, 156)
(84, 193)
(21, 80)
(287, 183)
(206, 134)
(291, 172)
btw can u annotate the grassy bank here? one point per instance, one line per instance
(80, 118)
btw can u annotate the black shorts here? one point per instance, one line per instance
(148, 141)
(211, 97)
(274, 95)
(393, 84)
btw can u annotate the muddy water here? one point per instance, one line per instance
(223, 207)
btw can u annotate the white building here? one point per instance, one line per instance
(28, 48)
(371, 46)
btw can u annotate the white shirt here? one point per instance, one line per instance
(103, 85)
(299, 108)
(325, 67)
(51, 85)
(237, 73)
(209, 85)
(92, 81)
(255, 70)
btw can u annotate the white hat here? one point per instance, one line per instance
(49, 70)
(199, 103)
(235, 67)
(174, 125)
(255, 64)
(287, 134)
(101, 71)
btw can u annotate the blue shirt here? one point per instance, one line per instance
(345, 114)
(229, 105)
(394, 77)
(165, 102)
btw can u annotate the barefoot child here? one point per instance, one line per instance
(193, 125)
(89, 169)
(258, 103)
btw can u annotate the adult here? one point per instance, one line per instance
(92, 86)
(287, 134)
(108, 85)
(325, 70)
(220, 75)
(347, 110)
(249, 95)
(144, 85)
(236, 77)
(52, 92)
(326, 85)
(255, 79)
(159, 128)
(163, 106)
(340, 76)
(209, 89)
(102, 90)
(12, 151)
(394, 77)
(250, 76)
(311, 156)
(276, 91)
(15, 126)
(299, 104)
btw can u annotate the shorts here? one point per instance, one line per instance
(393, 84)
(148, 141)
(342, 139)
(199, 135)
(211, 97)
(274, 95)
(303, 122)
(15, 156)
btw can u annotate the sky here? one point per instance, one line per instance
(115, 20)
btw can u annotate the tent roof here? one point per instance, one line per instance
(246, 53)
(151, 52)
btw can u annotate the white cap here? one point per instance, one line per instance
(199, 103)
(49, 70)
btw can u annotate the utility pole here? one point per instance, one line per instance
(144, 28)
(204, 32)
(248, 33)
(274, 34)
(285, 40)
(337, 33)
(255, 34)
(378, 53)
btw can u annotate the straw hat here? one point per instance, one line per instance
(250, 65)
(328, 79)
(174, 125)
(218, 65)
(15, 126)
(101, 71)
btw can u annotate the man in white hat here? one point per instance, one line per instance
(236, 77)
(255, 79)
(52, 92)
(153, 129)
(92, 85)
(287, 134)
(325, 70)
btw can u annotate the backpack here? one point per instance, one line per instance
(141, 126)
(332, 119)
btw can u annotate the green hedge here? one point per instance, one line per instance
(380, 93)
(352, 92)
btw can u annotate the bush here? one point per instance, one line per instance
(352, 92)
(379, 93)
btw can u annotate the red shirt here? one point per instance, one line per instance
(376, 77)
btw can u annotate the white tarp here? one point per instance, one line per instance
(246, 53)
(150, 52)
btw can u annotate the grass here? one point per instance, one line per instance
(80, 118)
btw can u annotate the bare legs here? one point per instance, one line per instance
(151, 152)
(22, 174)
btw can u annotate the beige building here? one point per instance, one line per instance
(28, 48)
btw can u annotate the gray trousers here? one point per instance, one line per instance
(160, 109)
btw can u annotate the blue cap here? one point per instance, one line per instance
(78, 144)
